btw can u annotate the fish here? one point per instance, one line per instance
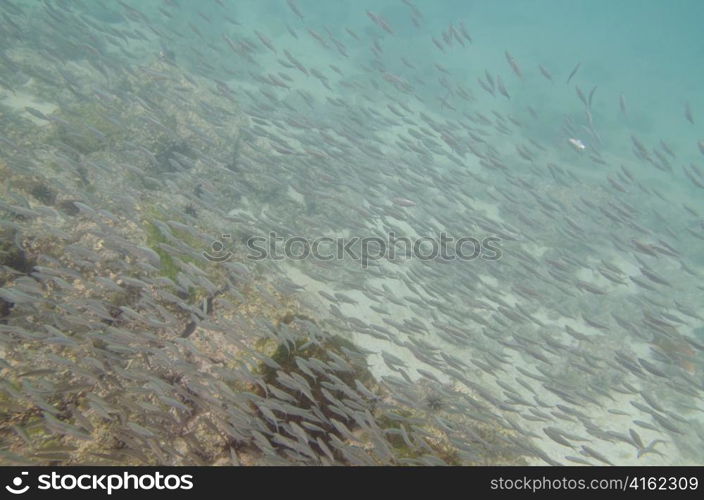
(577, 144)
(514, 66)
(622, 104)
(403, 202)
(688, 113)
(545, 72)
(573, 72)
(110, 311)
(502, 88)
(294, 8)
(590, 452)
(36, 113)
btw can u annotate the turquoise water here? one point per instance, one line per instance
(153, 152)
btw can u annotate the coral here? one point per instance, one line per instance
(676, 348)
(68, 207)
(292, 357)
(43, 193)
(167, 155)
(153, 238)
(13, 256)
(190, 210)
(93, 130)
(434, 441)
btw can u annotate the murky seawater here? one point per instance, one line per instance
(357, 233)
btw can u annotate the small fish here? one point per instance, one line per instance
(587, 451)
(292, 5)
(650, 448)
(577, 144)
(635, 437)
(574, 72)
(622, 104)
(557, 436)
(591, 95)
(688, 113)
(514, 66)
(36, 113)
(545, 72)
(581, 95)
(502, 88)
(403, 202)
(464, 32)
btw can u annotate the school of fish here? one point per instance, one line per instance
(142, 141)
